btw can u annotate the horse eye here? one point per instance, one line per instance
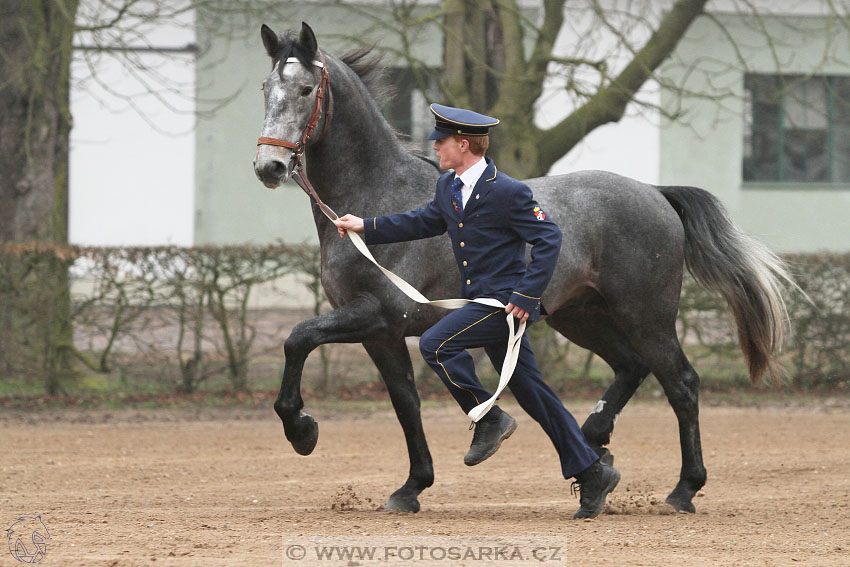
(306, 90)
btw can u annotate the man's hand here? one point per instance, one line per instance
(349, 222)
(517, 312)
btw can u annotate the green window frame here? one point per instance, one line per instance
(797, 129)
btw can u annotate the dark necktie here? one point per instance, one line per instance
(457, 196)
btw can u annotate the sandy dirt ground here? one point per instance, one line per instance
(223, 487)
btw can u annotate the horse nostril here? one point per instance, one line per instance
(270, 170)
(278, 169)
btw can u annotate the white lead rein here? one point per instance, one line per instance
(514, 338)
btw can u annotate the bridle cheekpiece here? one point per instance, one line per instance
(295, 166)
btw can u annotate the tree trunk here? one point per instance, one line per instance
(484, 47)
(35, 55)
(609, 103)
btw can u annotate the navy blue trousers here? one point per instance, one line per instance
(444, 347)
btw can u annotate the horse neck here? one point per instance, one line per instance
(348, 166)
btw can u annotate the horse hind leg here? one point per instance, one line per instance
(665, 358)
(633, 350)
(591, 326)
(393, 361)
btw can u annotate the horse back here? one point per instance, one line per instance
(618, 232)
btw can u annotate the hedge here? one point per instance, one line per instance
(184, 315)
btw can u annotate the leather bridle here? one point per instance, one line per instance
(323, 105)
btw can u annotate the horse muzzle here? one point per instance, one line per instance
(272, 172)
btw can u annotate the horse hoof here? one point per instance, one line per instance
(398, 503)
(303, 434)
(681, 504)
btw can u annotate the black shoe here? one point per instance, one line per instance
(490, 431)
(605, 456)
(594, 484)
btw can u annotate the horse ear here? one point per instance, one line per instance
(308, 39)
(270, 40)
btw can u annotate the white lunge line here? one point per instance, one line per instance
(514, 337)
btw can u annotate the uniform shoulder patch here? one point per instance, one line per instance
(539, 214)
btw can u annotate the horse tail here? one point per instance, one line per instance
(743, 270)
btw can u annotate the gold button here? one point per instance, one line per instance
(462, 244)
(460, 225)
(468, 282)
(464, 263)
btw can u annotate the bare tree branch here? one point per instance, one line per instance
(609, 104)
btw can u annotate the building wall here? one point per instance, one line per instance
(706, 148)
(132, 152)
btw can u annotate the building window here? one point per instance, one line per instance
(407, 110)
(797, 128)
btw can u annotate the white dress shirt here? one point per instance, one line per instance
(470, 177)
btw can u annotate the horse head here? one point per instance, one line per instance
(293, 102)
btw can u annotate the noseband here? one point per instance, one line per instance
(295, 165)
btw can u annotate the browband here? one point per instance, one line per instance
(318, 64)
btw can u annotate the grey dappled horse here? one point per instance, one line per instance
(615, 290)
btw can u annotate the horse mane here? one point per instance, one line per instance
(366, 65)
(369, 68)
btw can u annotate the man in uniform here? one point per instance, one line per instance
(490, 217)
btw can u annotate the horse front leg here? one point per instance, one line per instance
(393, 361)
(353, 322)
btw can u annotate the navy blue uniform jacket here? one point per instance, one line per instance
(488, 239)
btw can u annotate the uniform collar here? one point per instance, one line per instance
(471, 176)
